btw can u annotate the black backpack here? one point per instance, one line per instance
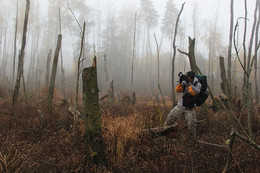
(203, 95)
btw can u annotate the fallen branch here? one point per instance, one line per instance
(208, 143)
(74, 112)
(103, 97)
(232, 136)
(250, 142)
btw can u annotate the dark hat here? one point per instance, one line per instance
(191, 74)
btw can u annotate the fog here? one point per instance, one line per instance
(110, 31)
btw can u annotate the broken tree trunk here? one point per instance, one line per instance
(191, 55)
(54, 70)
(195, 68)
(224, 84)
(111, 94)
(93, 126)
(47, 76)
(21, 55)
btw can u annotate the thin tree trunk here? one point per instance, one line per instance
(92, 114)
(256, 55)
(224, 84)
(248, 88)
(174, 54)
(15, 36)
(105, 64)
(54, 70)
(47, 75)
(79, 62)
(21, 56)
(4, 55)
(31, 65)
(158, 74)
(230, 46)
(62, 69)
(245, 58)
(132, 72)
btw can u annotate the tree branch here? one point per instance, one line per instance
(183, 52)
(216, 145)
(74, 16)
(234, 42)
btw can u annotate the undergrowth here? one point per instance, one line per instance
(40, 139)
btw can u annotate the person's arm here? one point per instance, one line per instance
(179, 88)
(194, 90)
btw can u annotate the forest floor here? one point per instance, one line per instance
(40, 139)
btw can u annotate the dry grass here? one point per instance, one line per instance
(57, 143)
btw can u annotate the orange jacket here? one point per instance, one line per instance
(191, 89)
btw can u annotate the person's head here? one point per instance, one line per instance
(191, 75)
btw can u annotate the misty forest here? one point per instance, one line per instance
(88, 86)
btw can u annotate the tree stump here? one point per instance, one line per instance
(92, 114)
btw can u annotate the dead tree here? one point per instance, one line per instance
(15, 36)
(247, 68)
(47, 74)
(111, 94)
(133, 60)
(230, 47)
(61, 63)
(54, 70)
(158, 72)
(224, 84)
(105, 66)
(79, 63)
(174, 54)
(194, 67)
(92, 113)
(256, 54)
(21, 56)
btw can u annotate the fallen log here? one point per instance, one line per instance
(160, 131)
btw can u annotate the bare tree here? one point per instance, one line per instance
(61, 63)
(21, 56)
(15, 37)
(54, 70)
(224, 84)
(230, 47)
(158, 67)
(79, 62)
(132, 72)
(174, 53)
(256, 54)
(105, 66)
(47, 72)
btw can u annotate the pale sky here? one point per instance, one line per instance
(207, 8)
